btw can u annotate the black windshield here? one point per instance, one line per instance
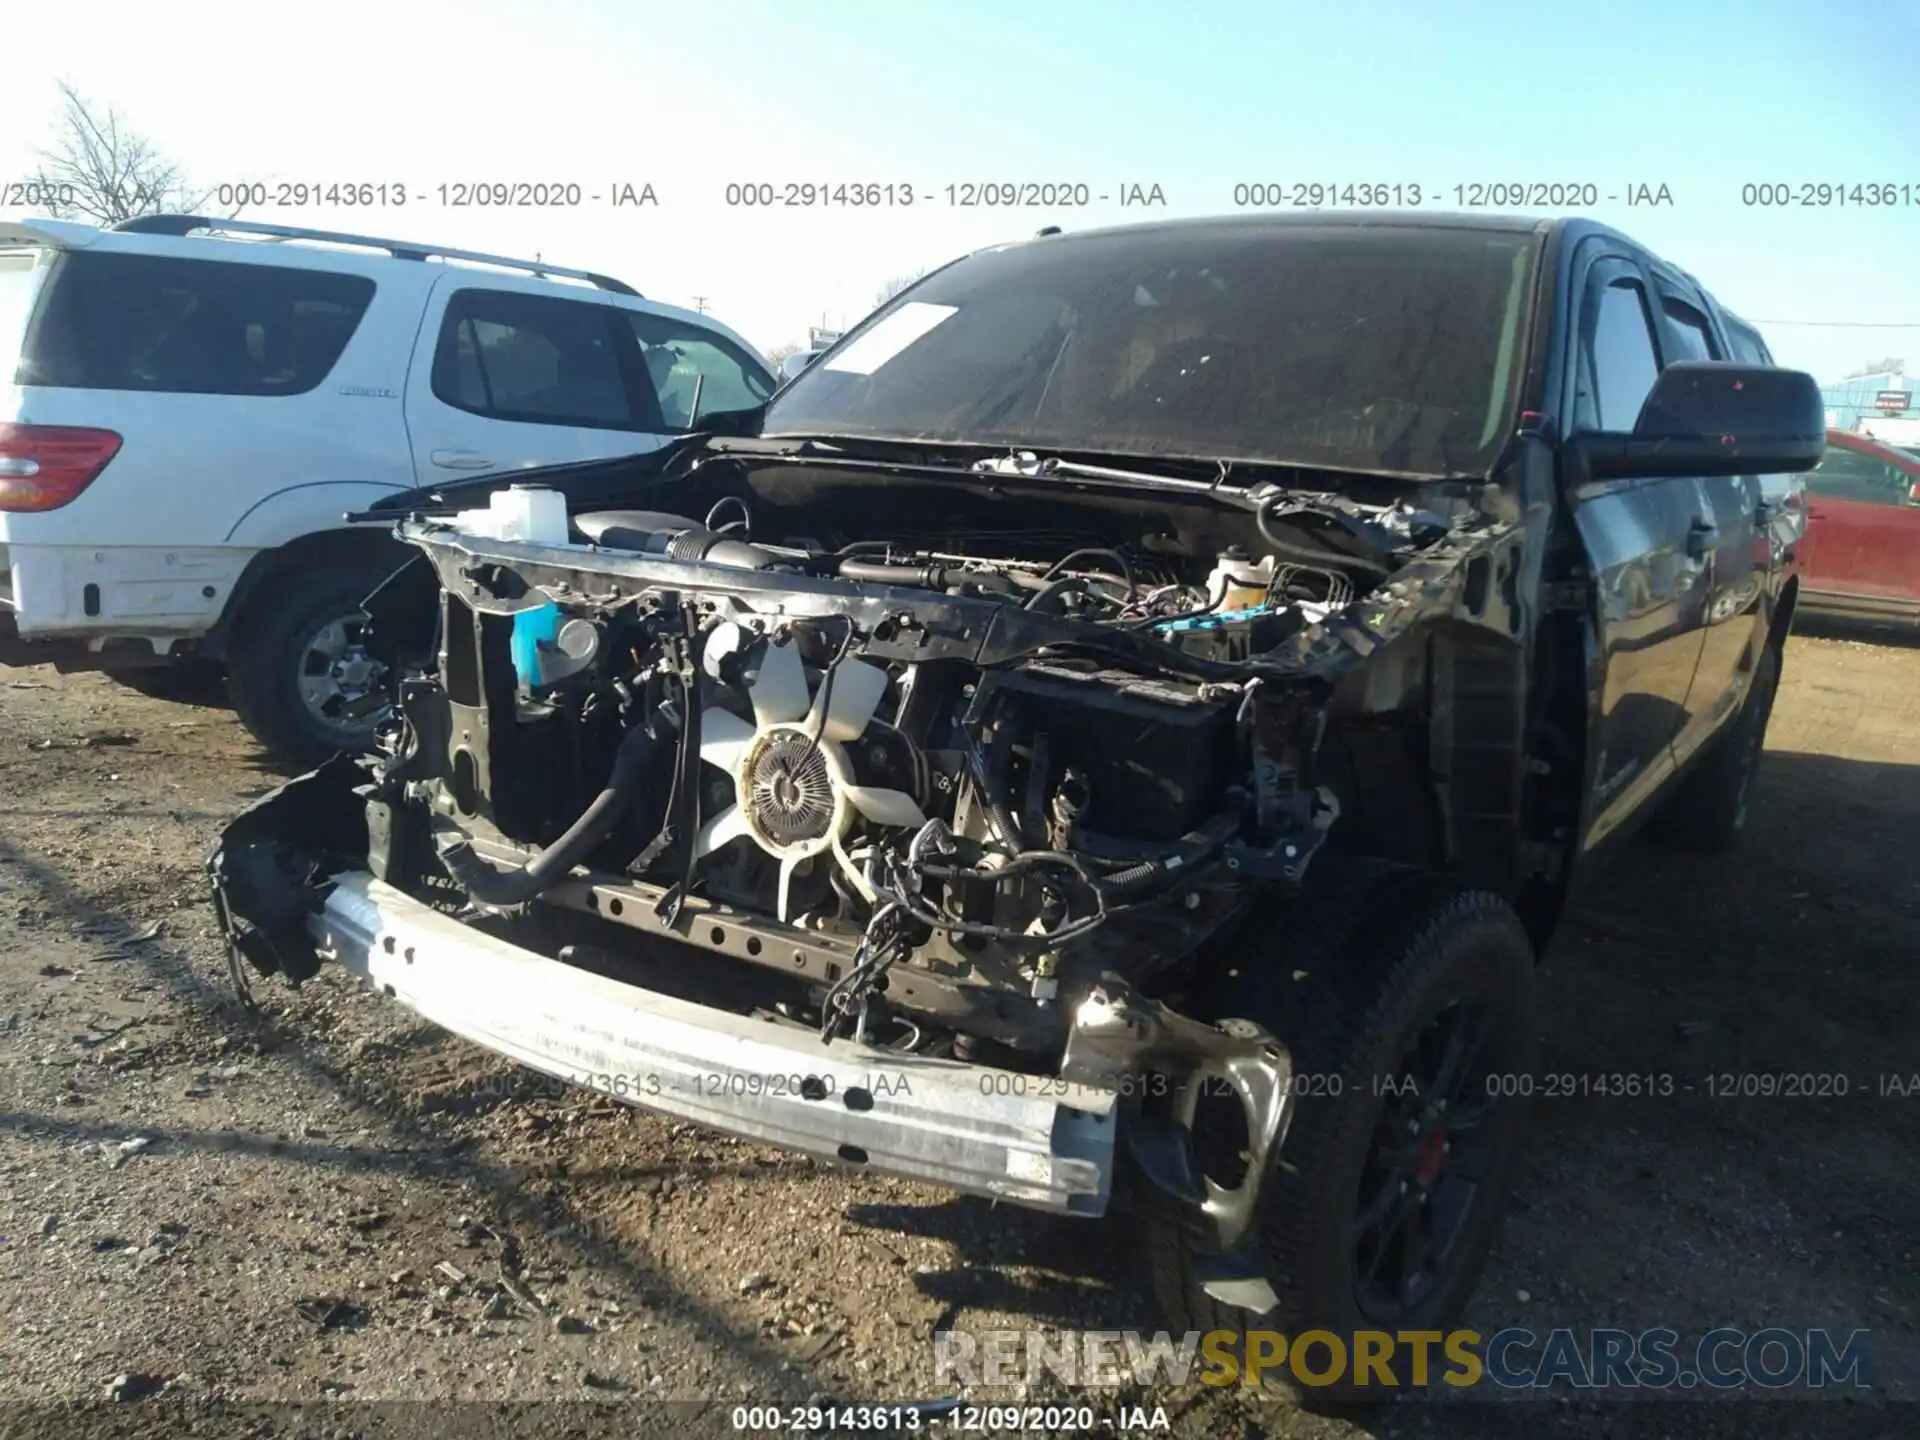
(1384, 348)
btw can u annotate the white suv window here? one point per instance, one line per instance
(535, 360)
(199, 327)
(544, 360)
(695, 372)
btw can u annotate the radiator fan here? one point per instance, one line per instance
(793, 797)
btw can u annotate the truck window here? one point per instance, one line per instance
(1618, 364)
(201, 327)
(1747, 347)
(1690, 329)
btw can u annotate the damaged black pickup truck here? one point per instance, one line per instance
(1113, 734)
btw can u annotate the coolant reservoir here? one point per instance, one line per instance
(1238, 583)
(520, 512)
(532, 513)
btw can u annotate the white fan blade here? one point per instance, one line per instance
(788, 864)
(729, 824)
(779, 689)
(855, 695)
(885, 807)
(726, 638)
(724, 738)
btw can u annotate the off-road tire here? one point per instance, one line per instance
(1708, 812)
(268, 647)
(1372, 953)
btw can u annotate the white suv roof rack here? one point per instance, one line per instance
(399, 249)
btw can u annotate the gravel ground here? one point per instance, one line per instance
(332, 1202)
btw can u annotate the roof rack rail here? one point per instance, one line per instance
(399, 249)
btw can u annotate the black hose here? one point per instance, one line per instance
(1065, 585)
(1126, 569)
(1124, 880)
(918, 909)
(933, 577)
(491, 885)
(1019, 864)
(826, 690)
(1311, 554)
(1198, 846)
(1147, 622)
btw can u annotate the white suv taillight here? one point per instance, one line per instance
(43, 467)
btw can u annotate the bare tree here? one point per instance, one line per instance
(898, 283)
(780, 352)
(99, 170)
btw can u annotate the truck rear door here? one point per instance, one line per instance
(1651, 600)
(1723, 537)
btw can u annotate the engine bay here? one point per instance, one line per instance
(944, 778)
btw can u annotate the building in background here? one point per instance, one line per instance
(1884, 392)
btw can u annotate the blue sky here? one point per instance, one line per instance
(1196, 98)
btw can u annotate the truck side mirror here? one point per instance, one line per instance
(1713, 417)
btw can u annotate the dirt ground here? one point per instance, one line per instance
(333, 1201)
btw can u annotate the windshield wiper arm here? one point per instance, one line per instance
(1030, 466)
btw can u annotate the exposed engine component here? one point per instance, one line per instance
(652, 532)
(794, 792)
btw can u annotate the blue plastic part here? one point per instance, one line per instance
(1216, 619)
(530, 627)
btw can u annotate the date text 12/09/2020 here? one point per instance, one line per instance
(553, 194)
(1337, 194)
(631, 193)
(897, 194)
(1612, 1085)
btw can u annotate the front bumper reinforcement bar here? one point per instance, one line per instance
(1032, 1140)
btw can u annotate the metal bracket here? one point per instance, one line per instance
(1118, 1034)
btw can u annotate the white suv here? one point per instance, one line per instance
(197, 404)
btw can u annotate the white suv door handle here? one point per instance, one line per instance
(461, 460)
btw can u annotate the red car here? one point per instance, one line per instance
(1861, 554)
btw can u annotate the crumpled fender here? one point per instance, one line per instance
(272, 865)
